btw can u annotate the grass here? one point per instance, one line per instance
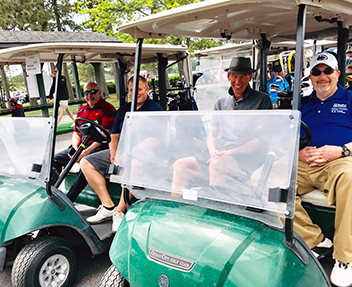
(74, 108)
(64, 127)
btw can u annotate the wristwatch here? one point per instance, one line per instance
(345, 151)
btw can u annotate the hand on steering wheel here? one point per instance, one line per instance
(92, 130)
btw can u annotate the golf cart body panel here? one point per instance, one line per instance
(22, 178)
(265, 22)
(25, 209)
(34, 211)
(200, 236)
(208, 248)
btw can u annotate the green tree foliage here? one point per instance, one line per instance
(105, 15)
(23, 15)
(37, 15)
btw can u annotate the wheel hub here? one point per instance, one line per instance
(54, 271)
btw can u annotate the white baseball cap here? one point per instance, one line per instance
(324, 58)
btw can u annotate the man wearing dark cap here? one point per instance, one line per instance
(326, 163)
(278, 82)
(240, 97)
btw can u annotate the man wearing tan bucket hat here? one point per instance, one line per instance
(240, 97)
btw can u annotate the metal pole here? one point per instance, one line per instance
(162, 63)
(121, 69)
(42, 95)
(76, 81)
(341, 51)
(51, 196)
(301, 27)
(263, 64)
(137, 64)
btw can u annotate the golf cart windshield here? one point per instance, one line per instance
(255, 167)
(24, 146)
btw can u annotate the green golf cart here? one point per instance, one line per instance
(40, 227)
(233, 236)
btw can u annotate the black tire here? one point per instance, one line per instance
(113, 278)
(45, 254)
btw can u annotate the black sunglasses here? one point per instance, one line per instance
(316, 72)
(93, 91)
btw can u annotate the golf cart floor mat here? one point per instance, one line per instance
(103, 230)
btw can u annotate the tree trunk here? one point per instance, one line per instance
(6, 85)
(68, 82)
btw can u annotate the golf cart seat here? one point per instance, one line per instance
(317, 198)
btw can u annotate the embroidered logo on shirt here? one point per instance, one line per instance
(339, 108)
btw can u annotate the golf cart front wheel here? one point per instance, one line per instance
(49, 261)
(113, 278)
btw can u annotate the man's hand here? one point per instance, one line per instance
(216, 153)
(320, 156)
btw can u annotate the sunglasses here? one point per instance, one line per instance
(277, 71)
(316, 72)
(94, 91)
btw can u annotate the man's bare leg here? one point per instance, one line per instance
(70, 114)
(184, 170)
(97, 182)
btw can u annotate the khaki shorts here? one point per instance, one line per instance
(63, 105)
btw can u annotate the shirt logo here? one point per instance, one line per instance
(339, 108)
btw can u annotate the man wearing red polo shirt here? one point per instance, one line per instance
(96, 109)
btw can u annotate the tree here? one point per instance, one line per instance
(24, 15)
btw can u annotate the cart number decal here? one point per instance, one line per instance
(171, 260)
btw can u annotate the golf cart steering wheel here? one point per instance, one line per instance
(307, 138)
(92, 130)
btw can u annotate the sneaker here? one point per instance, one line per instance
(116, 220)
(102, 215)
(323, 249)
(72, 126)
(341, 274)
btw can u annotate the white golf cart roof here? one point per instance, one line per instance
(90, 52)
(246, 48)
(243, 19)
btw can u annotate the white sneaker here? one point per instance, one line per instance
(72, 126)
(323, 249)
(341, 274)
(102, 215)
(116, 220)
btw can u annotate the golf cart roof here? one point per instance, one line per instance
(275, 48)
(90, 52)
(244, 20)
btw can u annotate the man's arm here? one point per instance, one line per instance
(321, 156)
(113, 146)
(76, 140)
(211, 142)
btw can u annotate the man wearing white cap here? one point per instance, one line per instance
(326, 164)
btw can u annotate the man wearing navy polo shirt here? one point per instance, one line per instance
(94, 166)
(326, 164)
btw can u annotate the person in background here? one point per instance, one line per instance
(278, 82)
(63, 97)
(17, 109)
